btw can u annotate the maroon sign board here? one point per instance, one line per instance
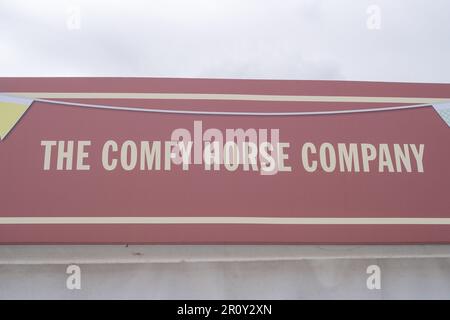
(146, 160)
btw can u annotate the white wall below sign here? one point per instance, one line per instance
(225, 272)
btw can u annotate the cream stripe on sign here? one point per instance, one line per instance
(208, 96)
(224, 220)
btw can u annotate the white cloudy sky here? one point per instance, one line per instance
(282, 39)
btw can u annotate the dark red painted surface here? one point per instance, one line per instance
(27, 190)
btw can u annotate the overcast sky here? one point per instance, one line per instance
(384, 40)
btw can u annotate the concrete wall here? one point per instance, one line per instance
(225, 272)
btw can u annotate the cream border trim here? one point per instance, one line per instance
(208, 96)
(223, 220)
